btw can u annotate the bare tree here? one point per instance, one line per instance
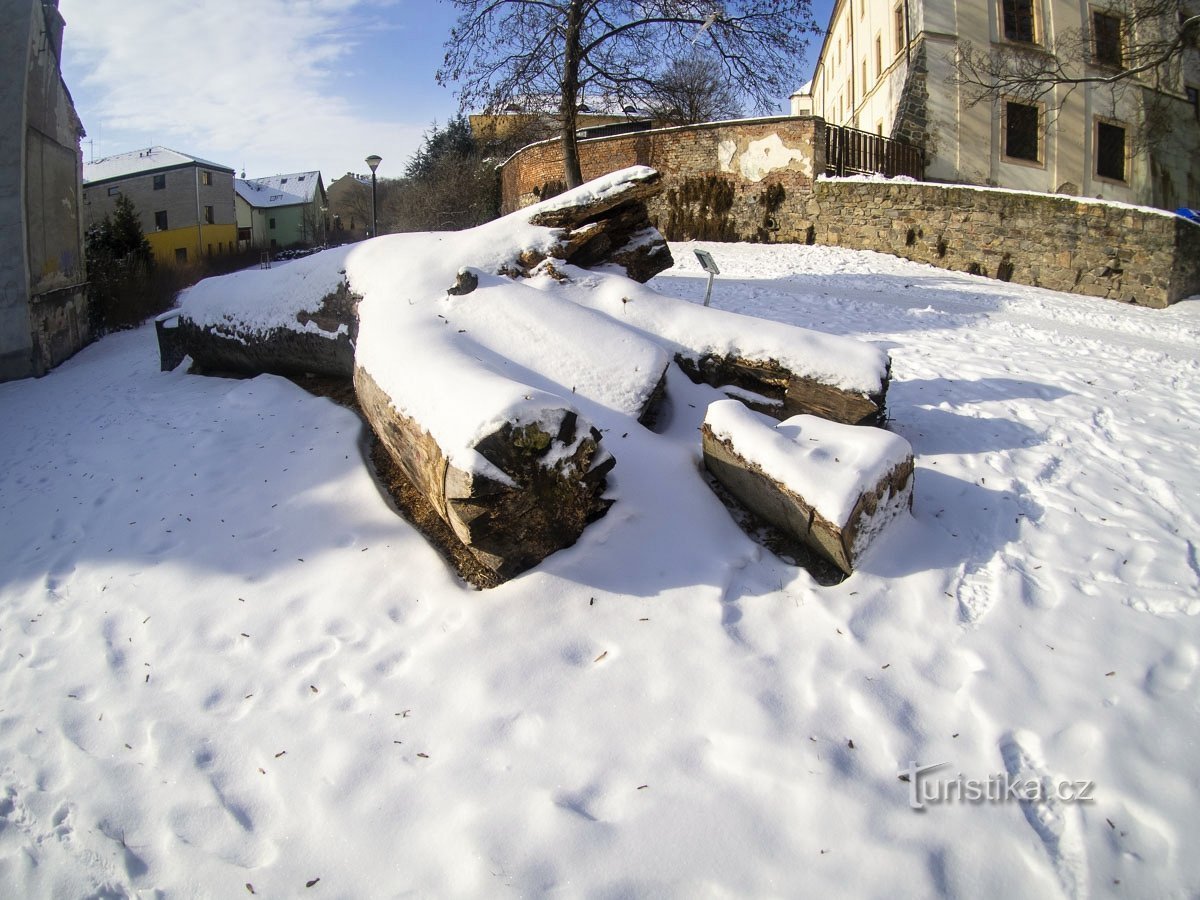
(530, 51)
(693, 90)
(1128, 44)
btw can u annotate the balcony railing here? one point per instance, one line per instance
(849, 151)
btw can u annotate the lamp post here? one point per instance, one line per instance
(373, 161)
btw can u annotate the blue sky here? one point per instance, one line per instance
(268, 86)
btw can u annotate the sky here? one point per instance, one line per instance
(269, 86)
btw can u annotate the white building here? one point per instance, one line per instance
(888, 67)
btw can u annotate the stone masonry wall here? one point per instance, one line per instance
(724, 180)
(754, 181)
(1134, 254)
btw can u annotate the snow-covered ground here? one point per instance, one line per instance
(227, 666)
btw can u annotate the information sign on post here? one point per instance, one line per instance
(710, 266)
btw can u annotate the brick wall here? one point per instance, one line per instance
(754, 181)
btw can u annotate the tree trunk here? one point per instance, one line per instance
(555, 482)
(840, 538)
(569, 101)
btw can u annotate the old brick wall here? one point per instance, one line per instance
(723, 180)
(754, 181)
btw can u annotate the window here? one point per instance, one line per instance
(1106, 39)
(243, 234)
(1110, 151)
(283, 181)
(1018, 21)
(205, 177)
(208, 215)
(181, 254)
(898, 15)
(160, 220)
(1193, 97)
(272, 223)
(864, 77)
(1022, 140)
(114, 192)
(839, 51)
(160, 182)
(878, 56)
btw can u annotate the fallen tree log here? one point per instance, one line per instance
(543, 481)
(781, 370)
(224, 335)
(833, 487)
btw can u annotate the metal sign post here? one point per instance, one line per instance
(710, 266)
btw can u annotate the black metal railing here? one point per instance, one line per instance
(849, 151)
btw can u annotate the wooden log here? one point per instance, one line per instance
(544, 487)
(833, 487)
(784, 394)
(232, 347)
(609, 226)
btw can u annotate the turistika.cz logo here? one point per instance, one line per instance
(1003, 788)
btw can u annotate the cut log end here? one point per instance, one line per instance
(549, 483)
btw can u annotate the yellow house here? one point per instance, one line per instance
(185, 203)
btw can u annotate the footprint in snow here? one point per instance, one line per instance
(1055, 823)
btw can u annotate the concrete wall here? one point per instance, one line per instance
(43, 302)
(755, 181)
(16, 338)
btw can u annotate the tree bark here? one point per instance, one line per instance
(555, 487)
(569, 101)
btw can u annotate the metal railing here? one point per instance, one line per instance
(849, 151)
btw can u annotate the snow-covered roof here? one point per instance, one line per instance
(278, 190)
(141, 162)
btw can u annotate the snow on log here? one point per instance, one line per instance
(779, 369)
(605, 221)
(290, 320)
(529, 487)
(834, 487)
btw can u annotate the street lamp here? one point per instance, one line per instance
(373, 161)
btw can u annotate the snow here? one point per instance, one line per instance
(258, 301)
(1071, 198)
(140, 162)
(278, 190)
(224, 660)
(828, 464)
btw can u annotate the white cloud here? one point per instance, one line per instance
(253, 83)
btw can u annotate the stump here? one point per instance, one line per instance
(833, 487)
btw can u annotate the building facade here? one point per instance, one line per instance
(349, 208)
(185, 203)
(43, 279)
(889, 67)
(282, 211)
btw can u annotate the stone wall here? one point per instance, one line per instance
(754, 181)
(1129, 253)
(724, 180)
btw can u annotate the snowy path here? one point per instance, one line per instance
(225, 661)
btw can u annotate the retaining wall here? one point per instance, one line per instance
(756, 180)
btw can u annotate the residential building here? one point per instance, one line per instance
(349, 208)
(43, 280)
(282, 211)
(185, 203)
(888, 67)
